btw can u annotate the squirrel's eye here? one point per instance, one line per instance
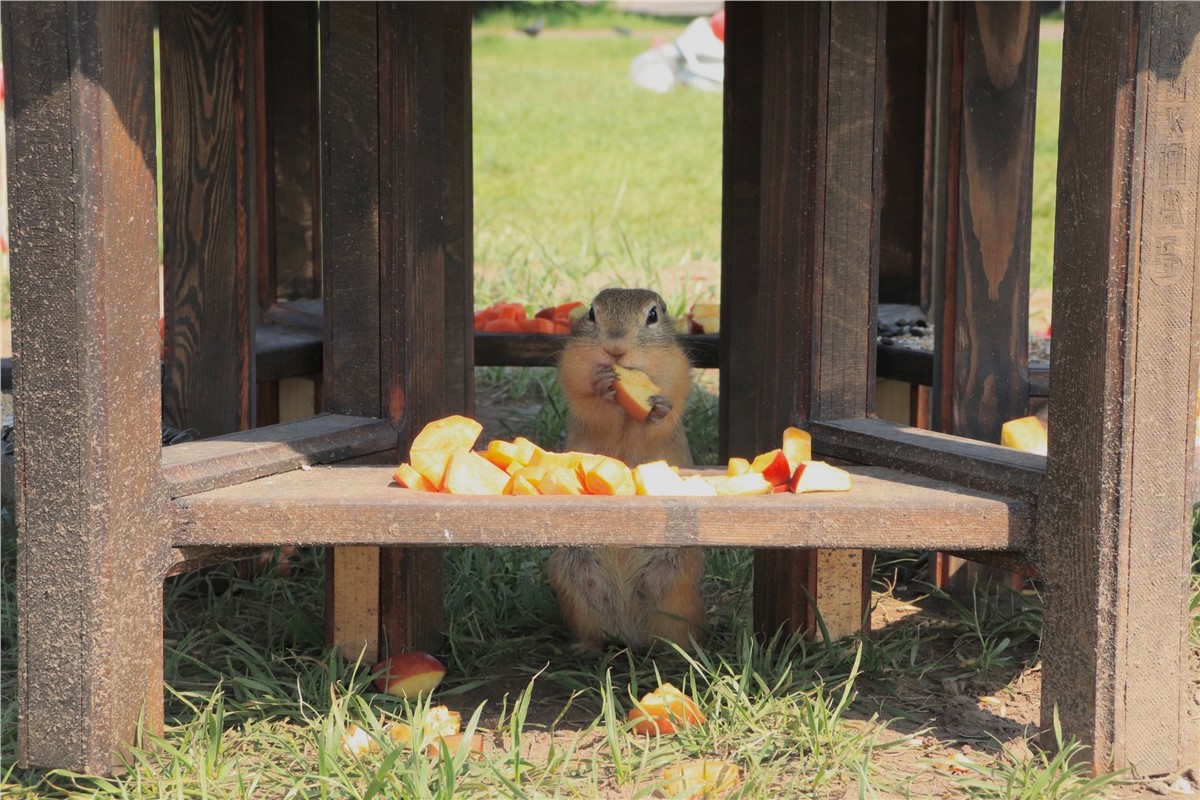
(652, 317)
(591, 314)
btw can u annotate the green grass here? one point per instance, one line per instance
(1045, 163)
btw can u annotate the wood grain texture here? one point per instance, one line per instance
(800, 237)
(361, 505)
(1115, 528)
(235, 458)
(207, 208)
(978, 465)
(90, 504)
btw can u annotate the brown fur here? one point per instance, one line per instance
(635, 595)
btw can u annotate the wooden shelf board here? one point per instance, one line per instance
(348, 505)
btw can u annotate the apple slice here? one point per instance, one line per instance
(409, 674)
(438, 721)
(634, 390)
(471, 473)
(1024, 433)
(657, 478)
(431, 450)
(749, 483)
(773, 466)
(409, 478)
(706, 316)
(738, 466)
(797, 446)
(817, 476)
(453, 742)
(701, 778)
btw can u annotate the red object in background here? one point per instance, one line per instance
(718, 24)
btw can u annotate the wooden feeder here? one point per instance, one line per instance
(267, 184)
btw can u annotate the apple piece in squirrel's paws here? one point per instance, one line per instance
(634, 390)
(409, 674)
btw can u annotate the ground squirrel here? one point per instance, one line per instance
(634, 595)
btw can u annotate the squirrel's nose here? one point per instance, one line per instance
(615, 349)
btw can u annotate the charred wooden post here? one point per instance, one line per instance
(800, 257)
(90, 501)
(395, 186)
(211, 233)
(981, 367)
(1116, 506)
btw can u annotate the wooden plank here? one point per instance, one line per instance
(982, 379)
(966, 462)
(802, 114)
(90, 505)
(356, 587)
(360, 505)
(207, 209)
(1117, 500)
(208, 464)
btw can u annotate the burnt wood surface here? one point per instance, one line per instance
(90, 505)
(208, 230)
(966, 462)
(1116, 507)
(803, 119)
(238, 457)
(361, 505)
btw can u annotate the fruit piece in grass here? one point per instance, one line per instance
(665, 710)
(437, 441)
(357, 742)
(817, 476)
(408, 674)
(471, 473)
(453, 742)
(438, 721)
(1024, 433)
(797, 446)
(705, 778)
(773, 466)
(634, 390)
(409, 478)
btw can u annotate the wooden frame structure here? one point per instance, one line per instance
(105, 513)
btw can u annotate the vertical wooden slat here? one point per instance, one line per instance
(1117, 499)
(351, 278)
(397, 177)
(90, 503)
(459, 212)
(802, 171)
(413, 174)
(982, 372)
(208, 205)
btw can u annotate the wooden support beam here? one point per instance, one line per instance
(210, 233)
(1116, 510)
(800, 252)
(90, 501)
(397, 165)
(981, 368)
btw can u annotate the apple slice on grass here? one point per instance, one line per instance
(408, 674)
(634, 390)
(817, 476)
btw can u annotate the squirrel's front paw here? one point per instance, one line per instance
(660, 406)
(603, 380)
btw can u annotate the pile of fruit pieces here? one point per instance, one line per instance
(412, 675)
(441, 459)
(510, 317)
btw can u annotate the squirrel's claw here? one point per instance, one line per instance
(603, 382)
(660, 406)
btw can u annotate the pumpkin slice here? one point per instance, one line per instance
(471, 473)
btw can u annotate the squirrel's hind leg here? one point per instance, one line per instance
(585, 596)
